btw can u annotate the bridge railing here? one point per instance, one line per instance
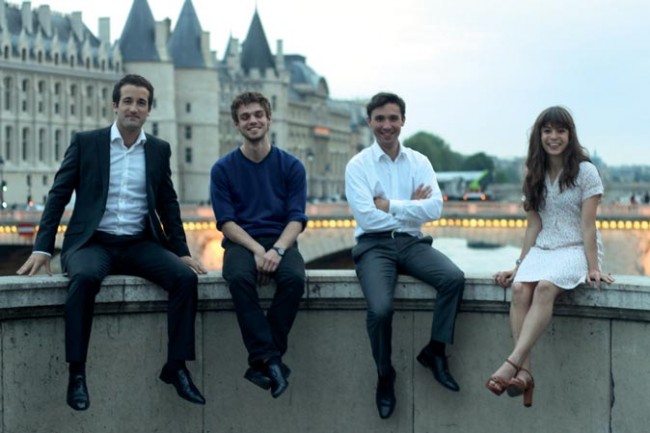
(587, 366)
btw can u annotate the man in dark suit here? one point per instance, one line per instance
(126, 220)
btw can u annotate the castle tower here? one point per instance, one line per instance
(197, 104)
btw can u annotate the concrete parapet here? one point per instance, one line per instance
(590, 366)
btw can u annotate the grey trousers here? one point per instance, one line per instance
(379, 259)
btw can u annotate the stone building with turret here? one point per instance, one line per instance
(56, 78)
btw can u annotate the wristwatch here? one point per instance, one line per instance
(280, 251)
(518, 261)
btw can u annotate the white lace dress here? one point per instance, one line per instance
(558, 255)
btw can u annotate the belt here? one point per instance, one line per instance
(388, 234)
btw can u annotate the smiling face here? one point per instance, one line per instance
(555, 139)
(386, 122)
(252, 122)
(132, 108)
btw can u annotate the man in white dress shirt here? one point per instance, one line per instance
(126, 220)
(392, 190)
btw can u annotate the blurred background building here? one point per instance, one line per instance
(56, 78)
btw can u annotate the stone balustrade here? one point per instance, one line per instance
(590, 366)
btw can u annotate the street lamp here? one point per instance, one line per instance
(310, 159)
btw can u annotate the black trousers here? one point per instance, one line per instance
(265, 335)
(106, 254)
(379, 260)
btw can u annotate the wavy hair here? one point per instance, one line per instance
(537, 161)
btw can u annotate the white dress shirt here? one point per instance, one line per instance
(126, 205)
(371, 173)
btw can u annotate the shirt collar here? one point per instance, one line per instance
(377, 152)
(115, 135)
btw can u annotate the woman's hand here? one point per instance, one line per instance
(504, 278)
(594, 278)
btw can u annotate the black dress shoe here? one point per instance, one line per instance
(77, 397)
(279, 382)
(440, 368)
(385, 396)
(259, 377)
(182, 381)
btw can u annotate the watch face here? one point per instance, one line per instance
(280, 251)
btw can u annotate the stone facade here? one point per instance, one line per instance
(56, 78)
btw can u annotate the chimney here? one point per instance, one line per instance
(104, 25)
(27, 17)
(279, 55)
(76, 24)
(45, 18)
(162, 37)
(3, 15)
(205, 48)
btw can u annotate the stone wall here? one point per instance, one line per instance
(590, 366)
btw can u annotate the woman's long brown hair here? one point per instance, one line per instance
(534, 187)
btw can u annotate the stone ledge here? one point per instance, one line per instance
(628, 298)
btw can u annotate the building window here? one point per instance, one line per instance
(154, 128)
(25, 141)
(57, 145)
(45, 180)
(272, 138)
(8, 134)
(188, 132)
(274, 102)
(56, 108)
(72, 110)
(57, 88)
(154, 104)
(188, 108)
(41, 144)
(56, 58)
(7, 85)
(188, 155)
(73, 90)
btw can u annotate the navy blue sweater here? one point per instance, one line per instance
(262, 198)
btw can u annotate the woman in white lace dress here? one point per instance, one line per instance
(562, 247)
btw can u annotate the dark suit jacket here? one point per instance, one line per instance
(85, 170)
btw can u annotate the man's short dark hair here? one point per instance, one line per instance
(135, 80)
(383, 98)
(249, 98)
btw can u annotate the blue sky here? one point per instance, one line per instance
(475, 72)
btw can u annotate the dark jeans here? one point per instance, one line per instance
(265, 335)
(378, 262)
(106, 254)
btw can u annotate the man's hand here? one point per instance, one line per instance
(422, 192)
(382, 204)
(34, 262)
(266, 262)
(194, 264)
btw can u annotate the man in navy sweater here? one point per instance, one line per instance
(258, 194)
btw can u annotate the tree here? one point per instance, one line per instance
(478, 161)
(436, 149)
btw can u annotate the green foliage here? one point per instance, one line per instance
(436, 149)
(478, 161)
